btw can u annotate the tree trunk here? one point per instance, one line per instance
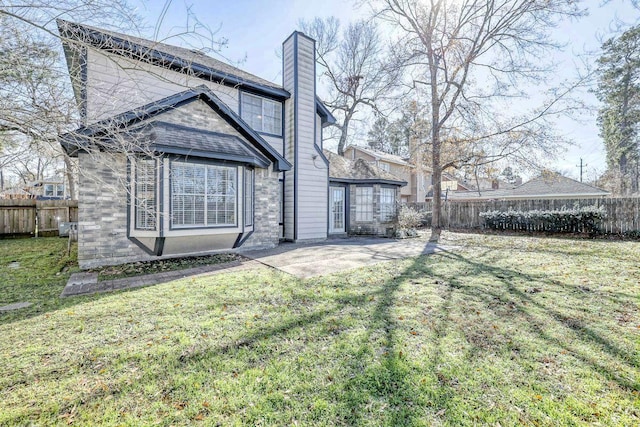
(344, 130)
(71, 178)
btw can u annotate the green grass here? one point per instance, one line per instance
(34, 270)
(501, 331)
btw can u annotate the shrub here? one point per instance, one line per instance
(585, 219)
(408, 218)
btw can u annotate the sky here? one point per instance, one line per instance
(255, 30)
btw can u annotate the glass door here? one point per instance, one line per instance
(336, 210)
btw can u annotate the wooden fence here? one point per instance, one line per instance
(24, 217)
(622, 213)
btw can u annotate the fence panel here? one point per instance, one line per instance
(18, 217)
(623, 213)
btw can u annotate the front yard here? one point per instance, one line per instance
(501, 331)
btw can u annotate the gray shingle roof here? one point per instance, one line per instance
(176, 139)
(123, 44)
(546, 185)
(101, 132)
(358, 170)
(392, 158)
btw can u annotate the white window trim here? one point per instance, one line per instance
(263, 100)
(205, 224)
(364, 215)
(387, 209)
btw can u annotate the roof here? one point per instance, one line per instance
(101, 131)
(547, 185)
(380, 155)
(171, 138)
(175, 58)
(358, 171)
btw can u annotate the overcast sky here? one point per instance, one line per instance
(256, 29)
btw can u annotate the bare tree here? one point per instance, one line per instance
(37, 103)
(354, 66)
(469, 55)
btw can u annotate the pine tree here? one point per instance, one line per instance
(619, 118)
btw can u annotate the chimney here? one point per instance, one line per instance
(306, 185)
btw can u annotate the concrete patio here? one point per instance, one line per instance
(331, 256)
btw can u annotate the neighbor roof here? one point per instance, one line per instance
(380, 155)
(75, 141)
(175, 58)
(547, 185)
(358, 171)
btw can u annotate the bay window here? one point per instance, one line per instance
(387, 204)
(145, 194)
(364, 204)
(203, 195)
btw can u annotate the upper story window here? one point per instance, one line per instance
(384, 166)
(263, 115)
(54, 190)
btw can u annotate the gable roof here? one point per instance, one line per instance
(183, 60)
(545, 186)
(358, 171)
(73, 142)
(556, 184)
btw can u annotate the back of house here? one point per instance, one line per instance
(180, 153)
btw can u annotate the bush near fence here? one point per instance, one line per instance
(586, 219)
(622, 213)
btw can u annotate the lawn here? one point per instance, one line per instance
(501, 330)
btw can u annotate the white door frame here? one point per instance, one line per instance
(333, 191)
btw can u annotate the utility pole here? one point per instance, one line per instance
(581, 166)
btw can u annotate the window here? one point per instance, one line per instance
(48, 190)
(384, 166)
(387, 204)
(54, 190)
(248, 197)
(263, 115)
(145, 194)
(364, 204)
(202, 195)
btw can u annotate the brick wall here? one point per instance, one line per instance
(267, 206)
(102, 211)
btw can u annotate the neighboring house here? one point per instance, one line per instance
(15, 193)
(546, 186)
(216, 158)
(419, 182)
(362, 196)
(51, 188)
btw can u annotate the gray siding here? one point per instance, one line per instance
(289, 152)
(116, 85)
(310, 189)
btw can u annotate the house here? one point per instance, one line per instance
(419, 181)
(362, 196)
(548, 185)
(50, 188)
(180, 153)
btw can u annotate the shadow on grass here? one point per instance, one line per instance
(392, 379)
(522, 301)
